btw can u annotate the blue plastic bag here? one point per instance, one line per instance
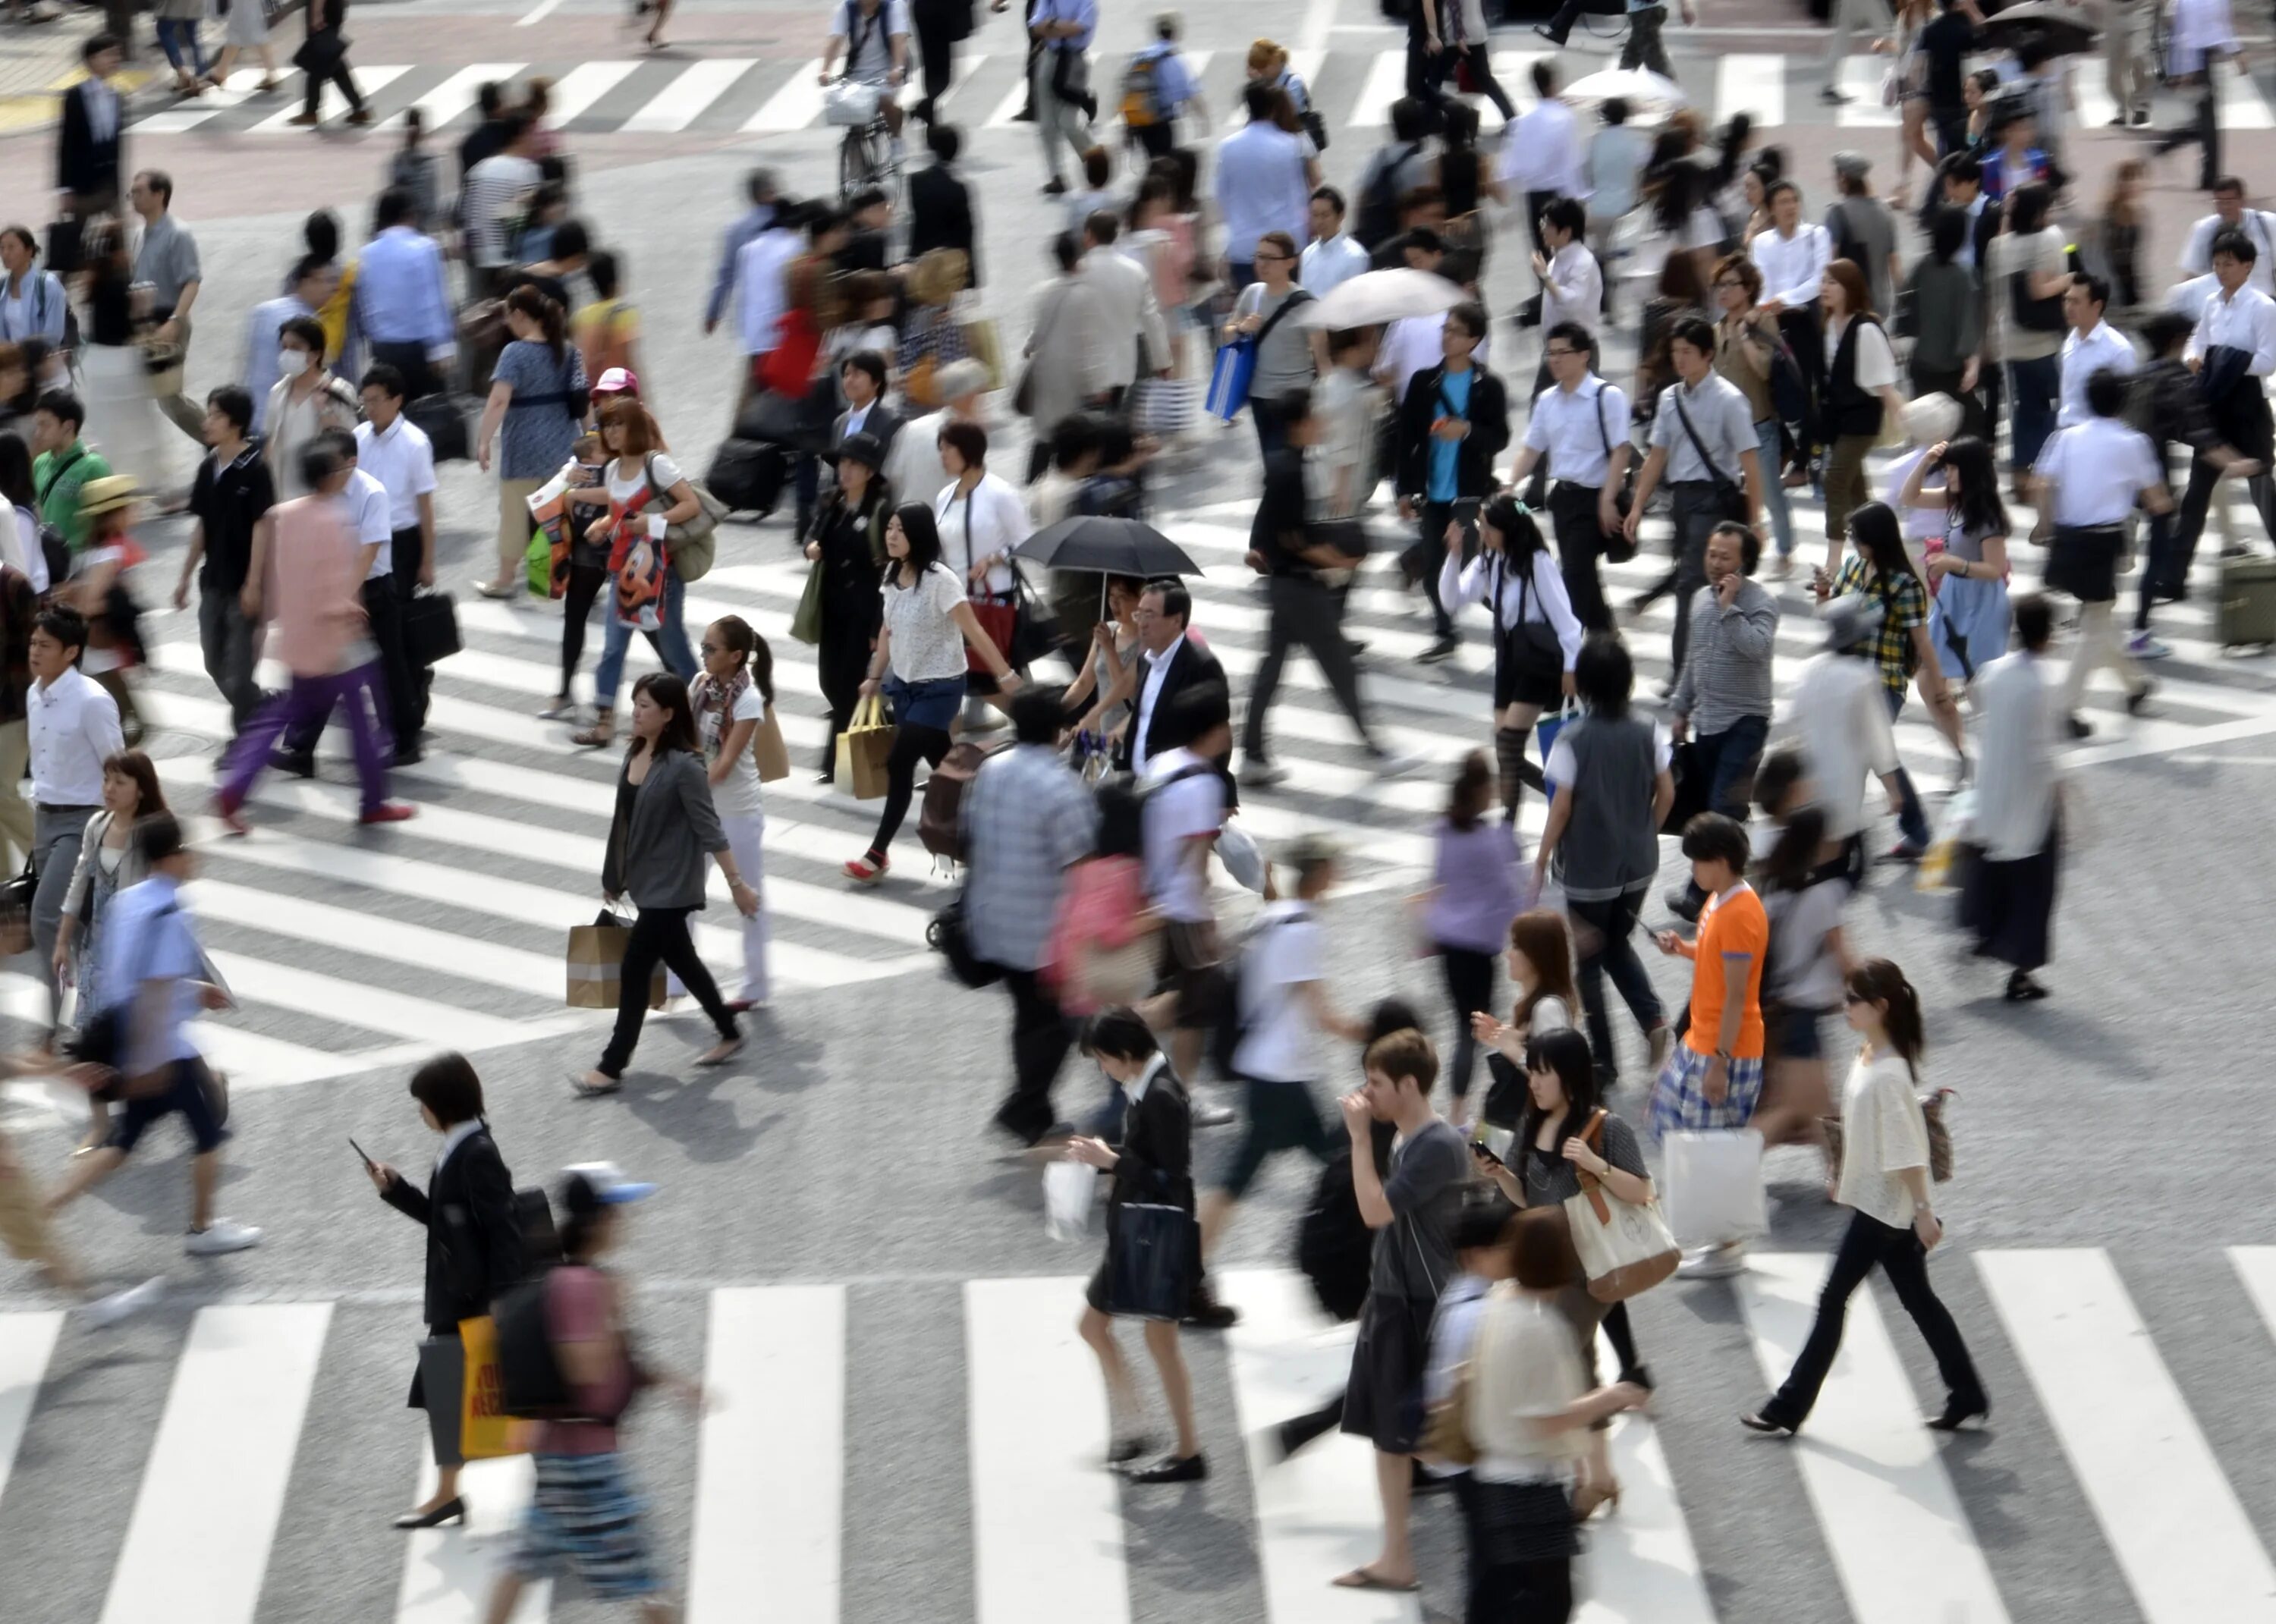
(1549, 727)
(1230, 377)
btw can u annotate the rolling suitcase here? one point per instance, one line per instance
(748, 475)
(2247, 603)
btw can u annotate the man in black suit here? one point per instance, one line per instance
(90, 147)
(861, 384)
(1171, 664)
(940, 204)
(1153, 1166)
(474, 1250)
(324, 59)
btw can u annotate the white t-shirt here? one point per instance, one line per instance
(738, 791)
(1286, 949)
(622, 490)
(1191, 809)
(927, 646)
(1876, 363)
(23, 552)
(93, 557)
(1560, 767)
(873, 59)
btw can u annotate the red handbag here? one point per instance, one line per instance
(788, 368)
(999, 617)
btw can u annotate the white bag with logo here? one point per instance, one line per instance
(1070, 1188)
(1711, 1186)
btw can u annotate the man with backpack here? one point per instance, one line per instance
(1393, 170)
(1156, 86)
(1026, 820)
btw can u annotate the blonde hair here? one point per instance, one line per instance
(939, 276)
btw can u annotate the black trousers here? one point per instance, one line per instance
(1430, 556)
(1304, 611)
(911, 745)
(401, 703)
(2205, 129)
(1480, 62)
(1469, 988)
(2197, 503)
(839, 663)
(659, 935)
(1898, 1253)
(1803, 336)
(340, 76)
(405, 552)
(937, 54)
(1536, 1592)
(1579, 544)
(1157, 140)
(1041, 1037)
(1697, 511)
(1610, 924)
(410, 359)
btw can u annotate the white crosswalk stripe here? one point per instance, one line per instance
(763, 1496)
(777, 95)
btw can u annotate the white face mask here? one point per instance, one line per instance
(292, 363)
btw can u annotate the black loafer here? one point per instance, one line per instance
(1754, 1421)
(452, 1510)
(1169, 1468)
(1958, 1413)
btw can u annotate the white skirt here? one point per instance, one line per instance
(248, 24)
(122, 418)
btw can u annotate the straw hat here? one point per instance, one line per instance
(107, 495)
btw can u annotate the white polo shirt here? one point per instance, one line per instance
(2098, 468)
(72, 726)
(365, 504)
(1577, 430)
(402, 460)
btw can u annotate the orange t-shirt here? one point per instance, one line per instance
(1733, 924)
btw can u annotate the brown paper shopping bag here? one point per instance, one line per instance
(596, 957)
(769, 751)
(862, 749)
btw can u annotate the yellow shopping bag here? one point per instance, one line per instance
(862, 749)
(485, 1430)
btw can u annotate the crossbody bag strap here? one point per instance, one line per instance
(1296, 297)
(1698, 444)
(55, 474)
(1591, 1185)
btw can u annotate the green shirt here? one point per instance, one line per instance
(59, 500)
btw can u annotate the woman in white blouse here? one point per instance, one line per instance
(1861, 394)
(1885, 1182)
(1537, 635)
(981, 517)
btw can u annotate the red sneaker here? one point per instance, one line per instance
(389, 812)
(866, 869)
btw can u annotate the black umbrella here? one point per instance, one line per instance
(2058, 27)
(1113, 546)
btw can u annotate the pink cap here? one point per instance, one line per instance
(617, 381)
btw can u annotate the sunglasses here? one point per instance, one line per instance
(707, 649)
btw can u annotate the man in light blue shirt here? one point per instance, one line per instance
(761, 189)
(1176, 90)
(1059, 78)
(402, 304)
(154, 978)
(312, 289)
(1264, 184)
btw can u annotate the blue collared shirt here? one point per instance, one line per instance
(1261, 187)
(146, 937)
(755, 221)
(1083, 11)
(1173, 78)
(400, 295)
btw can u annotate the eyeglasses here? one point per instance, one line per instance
(1560, 354)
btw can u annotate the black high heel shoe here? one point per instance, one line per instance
(452, 1510)
(1957, 1415)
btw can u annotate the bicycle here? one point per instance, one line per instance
(867, 157)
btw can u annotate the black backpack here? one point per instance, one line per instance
(1378, 221)
(1335, 1249)
(531, 1386)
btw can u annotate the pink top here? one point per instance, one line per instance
(577, 1311)
(1098, 908)
(314, 574)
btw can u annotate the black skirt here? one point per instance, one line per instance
(1515, 1522)
(2010, 906)
(1521, 681)
(2084, 562)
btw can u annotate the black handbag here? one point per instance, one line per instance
(1691, 787)
(1729, 494)
(66, 244)
(946, 936)
(1507, 1092)
(1531, 645)
(800, 425)
(16, 910)
(1150, 1262)
(443, 422)
(1617, 547)
(321, 53)
(430, 628)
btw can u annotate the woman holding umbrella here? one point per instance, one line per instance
(846, 545)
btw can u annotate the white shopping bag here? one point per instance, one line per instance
(1236, 849)
(1711, 1186)
(1069, 1189)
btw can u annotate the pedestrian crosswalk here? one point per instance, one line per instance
(776, 95)
(351, 949)
(751, 1499)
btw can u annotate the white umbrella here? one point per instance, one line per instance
(1646, 93)
(1375, 297)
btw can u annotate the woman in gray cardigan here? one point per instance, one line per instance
(665, 826)
(110, 860)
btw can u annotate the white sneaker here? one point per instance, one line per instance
(2142, 646)
(106, 1311)
(222, 1235)
(1260, 774)
(1716, 1262)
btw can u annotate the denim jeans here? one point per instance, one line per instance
(1912, 822)
(1729, 758)
(178, 37)
(672, 638)
(1767, 447)
(2035, 385)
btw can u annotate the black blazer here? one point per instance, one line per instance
(1189, 666)
(883, 423)
(1156, 1161)
(940, 216)
(474, 1246)
(83, 164)
(1474, 457)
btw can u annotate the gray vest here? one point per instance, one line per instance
(1609, 846)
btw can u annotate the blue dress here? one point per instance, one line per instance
(1967, 617)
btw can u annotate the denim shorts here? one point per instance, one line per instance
(925, 704)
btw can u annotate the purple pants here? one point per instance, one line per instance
(309, 701)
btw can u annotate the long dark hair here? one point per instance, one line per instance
(541, 309)
(1792, 863)
(16, 471)
(1979, 506)
(756, 657)
(1874, 528)
(670, 694)
(1604, 675)
(1520, 537)
(1565, 1052)
(923, 532)
(1878, 980)
(1121, 830)
(585, 1211)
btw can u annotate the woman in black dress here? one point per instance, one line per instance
(846, 542)
(474, 1253)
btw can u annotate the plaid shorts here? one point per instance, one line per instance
(585, 1515)
(1679, 1105)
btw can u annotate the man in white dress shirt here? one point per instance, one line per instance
(1793, 256)
(72, 728)
(1572, 282)
(1541, 151)
(2230, 214)
(1580, 424)
(2233, 353)
(2092, 345)
(1333, 256)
